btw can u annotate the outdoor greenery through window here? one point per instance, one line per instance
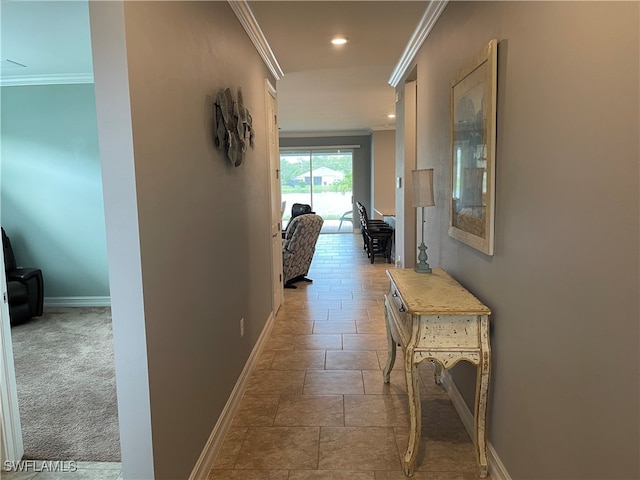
(322, 179)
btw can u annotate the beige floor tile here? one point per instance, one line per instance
(280, 341)
(264, 360)
(298, 360)
(295, 327)
(346, 315)
(374, 383)
(368, 326)
(341, 295)
(318, 286)
(358, 448)
(355, 289)
(228, 453)
(310, 411)
(279, 448)
(318, 342)
(376, 313)
(352, 360)
(318, 309)
(329, 475)
(275, 382)
(300, 312)
(382, 475)
(439, 456)
(376, 411)
(333, 382)
(256, 411)
(364, 341)
(363, 302)
(248, 475)
(334, 327)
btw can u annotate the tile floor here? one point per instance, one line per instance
(316, 406)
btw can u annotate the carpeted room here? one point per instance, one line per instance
(66, 385)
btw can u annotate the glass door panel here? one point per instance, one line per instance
(332, 190)
(296, 188)
(322, 179)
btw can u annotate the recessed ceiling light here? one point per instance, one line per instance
(339, 41)
(391, 115)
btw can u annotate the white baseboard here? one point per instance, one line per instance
(207, 457)
(497, 470)
(77, 301)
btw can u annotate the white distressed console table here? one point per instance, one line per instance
(434, 318)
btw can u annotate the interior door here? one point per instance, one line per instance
(276, 196)
(11, 447)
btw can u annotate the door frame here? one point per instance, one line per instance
(12, 447)
(277, 287)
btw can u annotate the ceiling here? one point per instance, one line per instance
(336, 89)
(324, 90)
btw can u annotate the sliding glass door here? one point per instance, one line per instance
(322, 179)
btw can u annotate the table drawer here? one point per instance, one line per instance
(449, 331)
(400, 322)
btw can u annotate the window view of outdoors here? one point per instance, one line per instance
(322, 179)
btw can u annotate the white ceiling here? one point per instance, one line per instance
(336, 89)
(325, 89)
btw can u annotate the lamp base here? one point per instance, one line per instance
(422, 266)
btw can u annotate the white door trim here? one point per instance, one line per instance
(12, 447)
(271, 107)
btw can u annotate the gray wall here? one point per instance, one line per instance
(563, 283)
(361, 160)
(51, 192)
(383, 171)
(188, 234)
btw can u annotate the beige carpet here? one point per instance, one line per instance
(66, 385)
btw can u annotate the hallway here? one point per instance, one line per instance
(316, 406)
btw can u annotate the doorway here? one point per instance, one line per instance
(322, 179)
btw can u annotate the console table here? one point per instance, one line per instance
(433, 317)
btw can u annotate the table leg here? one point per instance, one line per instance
(391, 349)
(482, 394)
(415, 424)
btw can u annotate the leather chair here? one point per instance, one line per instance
(299, 246)
(25, 287)
(300, 209)
(296, 210)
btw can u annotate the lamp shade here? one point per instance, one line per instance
(422, 187)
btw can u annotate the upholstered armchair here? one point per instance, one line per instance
(25, 287)
(298, 247)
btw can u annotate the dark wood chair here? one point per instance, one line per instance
(376, 235)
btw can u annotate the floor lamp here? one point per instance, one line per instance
(422, 197)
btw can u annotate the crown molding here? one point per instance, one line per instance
(428, 20)
(62, 79)
(249, 23)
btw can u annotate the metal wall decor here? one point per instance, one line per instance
(233, 128)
